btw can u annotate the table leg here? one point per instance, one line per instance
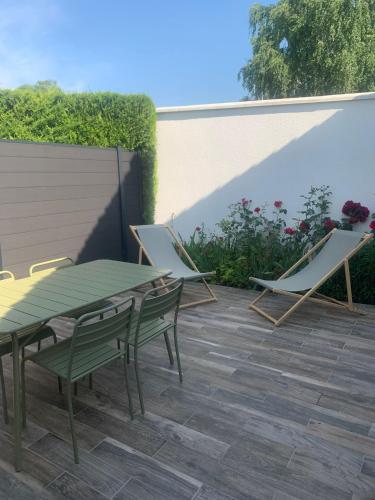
(17, 403)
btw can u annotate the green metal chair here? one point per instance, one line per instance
(84, 352)
(148, 323)
(26, 338)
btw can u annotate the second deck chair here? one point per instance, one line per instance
(336, 248)
(162, 248)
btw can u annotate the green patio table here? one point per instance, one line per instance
(32, 301)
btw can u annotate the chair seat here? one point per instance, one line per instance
(56, 359)
(6, 340)
(147, 330)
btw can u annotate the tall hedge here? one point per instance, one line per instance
(102, 119)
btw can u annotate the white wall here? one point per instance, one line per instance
(213, 155)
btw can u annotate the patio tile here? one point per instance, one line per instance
(224, 479)
(263, 413)
(147, 470)
(71, 488)
(96, 473)
(13, 488)
(36, 469)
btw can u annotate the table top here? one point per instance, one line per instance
(46, 294)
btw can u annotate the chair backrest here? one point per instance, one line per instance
(159, 245)
(51, 264)
(342, 244)
(88, 336)
(6, 276)
(159, 301)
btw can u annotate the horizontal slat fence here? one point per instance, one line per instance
(61, 200)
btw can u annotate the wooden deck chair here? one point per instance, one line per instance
(162, 248)
(336, 248)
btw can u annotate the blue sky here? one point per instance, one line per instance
(177, 51)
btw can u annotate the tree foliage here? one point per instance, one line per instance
(311, 47)
(44, 113)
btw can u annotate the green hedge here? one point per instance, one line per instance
(44, 113)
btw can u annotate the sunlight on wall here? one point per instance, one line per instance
(209, 158)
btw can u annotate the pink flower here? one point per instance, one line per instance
(304, 226)
(330, 224)
(289, 230)
(198, 229)
(278, 203)
(257, 210)
(372, 225)
(355, 211)
(245, 202)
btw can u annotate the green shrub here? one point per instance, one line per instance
(44, 113)
(250, 243)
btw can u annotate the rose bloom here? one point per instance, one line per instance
(355, 211)
(304, 226)
(329, 224)
(278, 203)
(289, 230)
(372, 225)
(257, 210)
(244, 202)
(198, 229)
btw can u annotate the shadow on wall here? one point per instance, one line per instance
(111, 238)
(339, 153)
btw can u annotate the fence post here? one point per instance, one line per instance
(131, 198)
(121, 191)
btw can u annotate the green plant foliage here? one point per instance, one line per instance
(44, 113)
(311, 47)
(252, 243)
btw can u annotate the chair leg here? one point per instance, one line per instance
(23, 394)
(137, 376)
(3, 394)
(71, 421)
(169, 349)
(177, 352)
(118, 344)
(58, 378)
(128, 355)
(128, 386)
(39, 345)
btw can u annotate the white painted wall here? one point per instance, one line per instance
(213, 155)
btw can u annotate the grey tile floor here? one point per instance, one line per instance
(263, 413)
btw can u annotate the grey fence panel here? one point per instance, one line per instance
(130, 179)
(60, 200)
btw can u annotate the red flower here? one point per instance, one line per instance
(198, 229)
(329, 224)
(289, 230)
(278, 203)
(245, 202)
(257, 210)
(304, 226)
(355, 211)
(372, 225)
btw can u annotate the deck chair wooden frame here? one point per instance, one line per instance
(182, 252)
(318, 297)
